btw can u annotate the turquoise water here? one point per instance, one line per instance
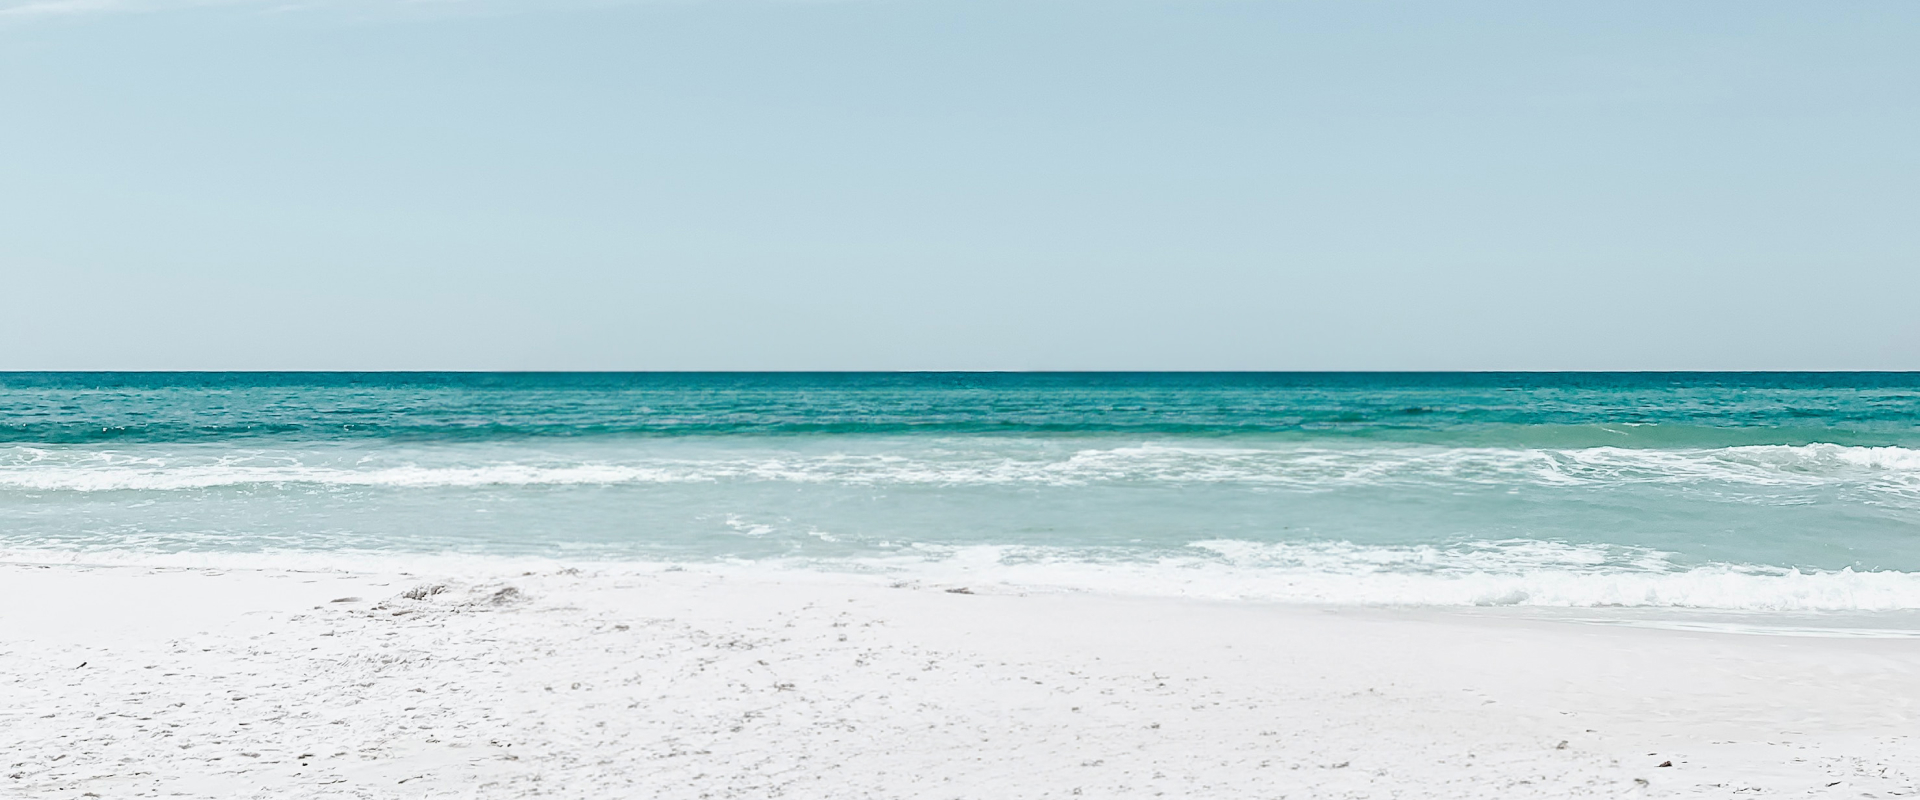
(1745, 491)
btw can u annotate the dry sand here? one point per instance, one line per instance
(125, 682)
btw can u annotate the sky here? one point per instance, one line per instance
(959, 184)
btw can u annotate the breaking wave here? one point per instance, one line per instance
(1894, 470)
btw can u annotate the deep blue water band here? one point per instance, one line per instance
(1516, 409)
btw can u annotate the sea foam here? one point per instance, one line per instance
(1507, 573)
(1894, 470)
(1515, 573)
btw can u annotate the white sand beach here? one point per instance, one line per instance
(143, 682)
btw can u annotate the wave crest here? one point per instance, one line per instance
(1890, 470)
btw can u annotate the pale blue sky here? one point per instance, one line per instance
(943, 184)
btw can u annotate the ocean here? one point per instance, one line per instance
(1739, 492)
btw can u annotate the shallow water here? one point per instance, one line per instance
(1765, 492)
